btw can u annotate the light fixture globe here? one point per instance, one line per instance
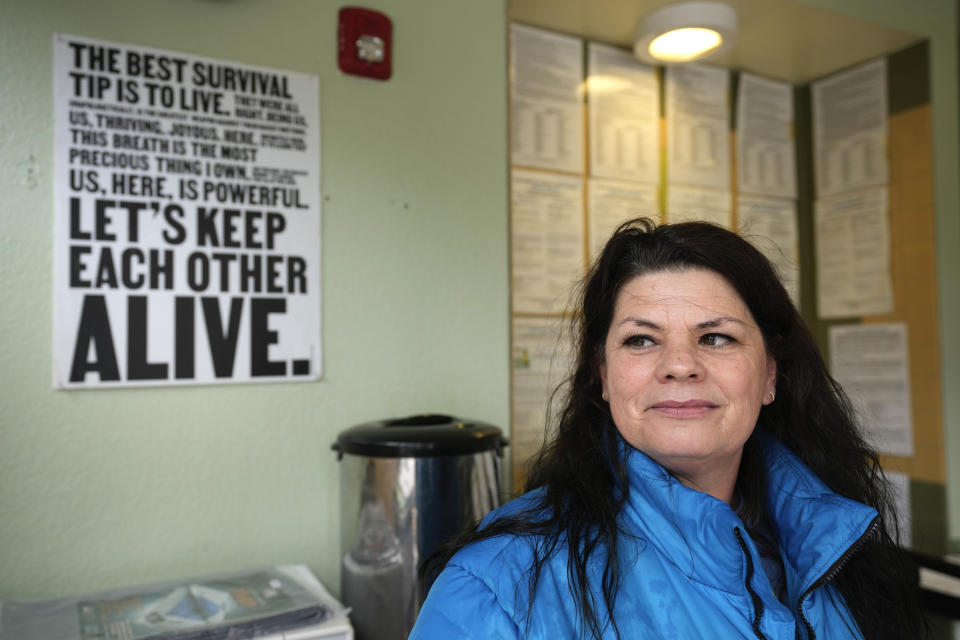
(685, 32)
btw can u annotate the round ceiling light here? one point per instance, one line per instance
(685, 32)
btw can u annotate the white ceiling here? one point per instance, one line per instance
(780, 39)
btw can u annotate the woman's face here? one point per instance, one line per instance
(685, 372)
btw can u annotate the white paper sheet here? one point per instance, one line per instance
(771, 225)
(850, 129)
(766, 158)
(853, 254)
(698, 126)
(870, 362)
(624, 104)
(612, 202)
(546, 80)
(698, 203)
(900, 482)
(186, 219)
(541, 359)
(546, 240)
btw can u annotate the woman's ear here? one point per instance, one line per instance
(770, 388)
(603, 381)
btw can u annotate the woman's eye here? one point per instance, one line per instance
(716, 340)
(639, 341)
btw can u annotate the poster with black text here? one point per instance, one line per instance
(186, 219)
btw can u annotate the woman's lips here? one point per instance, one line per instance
(683, 408)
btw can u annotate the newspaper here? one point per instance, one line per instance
(227, 607)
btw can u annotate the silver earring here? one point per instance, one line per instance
(772, 396)
(604, 396)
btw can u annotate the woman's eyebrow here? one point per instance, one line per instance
(641, 322)
(718, 322)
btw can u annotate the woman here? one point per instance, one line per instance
(706, 478)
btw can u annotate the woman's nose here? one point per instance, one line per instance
(679, 362)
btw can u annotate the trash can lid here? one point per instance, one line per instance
(419, 436)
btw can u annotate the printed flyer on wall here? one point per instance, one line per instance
(186, 219)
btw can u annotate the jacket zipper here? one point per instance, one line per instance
(757, 602)
(833, 571)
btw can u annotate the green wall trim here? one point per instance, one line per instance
(928, 526)
(908, 77)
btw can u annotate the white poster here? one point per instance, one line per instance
(546, 97)
(900, 483)
(853, 254)
(850, 129)
(870, 363)
(770, 224)
(624, 105)
(613, 202)
(685, 203)
(766, 158)
(186, 219)
(698, 126)
(546, 240)
(541, 360)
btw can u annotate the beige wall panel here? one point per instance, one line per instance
(913, 266)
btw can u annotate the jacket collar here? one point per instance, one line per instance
(815, 526)
(696, 532)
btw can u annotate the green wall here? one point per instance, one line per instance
(100, 489)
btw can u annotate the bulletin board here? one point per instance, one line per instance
(565, 201)
(911, 217)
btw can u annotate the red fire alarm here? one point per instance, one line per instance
(365, 38)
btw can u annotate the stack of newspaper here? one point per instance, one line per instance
(276, 603)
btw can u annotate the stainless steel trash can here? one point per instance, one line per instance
(407, 485)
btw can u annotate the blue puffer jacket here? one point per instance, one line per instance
(692, 571)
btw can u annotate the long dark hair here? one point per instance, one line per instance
(581, 470)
